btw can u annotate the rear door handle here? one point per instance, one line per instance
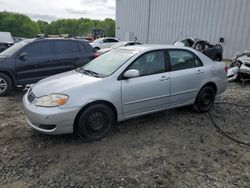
(163, 78)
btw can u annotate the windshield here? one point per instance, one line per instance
(108, 63)
(14, 48)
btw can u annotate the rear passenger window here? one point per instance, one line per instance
(182, 59)
(66, 47)
(109, 40)
(75, 47)
(38, 49)
(85, 47)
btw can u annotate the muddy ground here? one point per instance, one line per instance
(175, 148)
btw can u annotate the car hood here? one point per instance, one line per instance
(62, 83)
(245, 59)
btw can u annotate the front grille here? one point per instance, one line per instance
(31, 97)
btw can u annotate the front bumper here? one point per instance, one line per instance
(54, 120)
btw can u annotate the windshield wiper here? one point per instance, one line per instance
(90, 72)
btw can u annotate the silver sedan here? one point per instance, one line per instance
(121, 84)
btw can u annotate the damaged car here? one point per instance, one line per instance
(240, 67)
(214, 52)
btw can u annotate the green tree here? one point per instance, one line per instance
(18, 24)
(42, 26)
(23, 26)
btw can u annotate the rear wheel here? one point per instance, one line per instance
(5, 84)
(205, 99)
(95, 122)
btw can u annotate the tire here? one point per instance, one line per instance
(205, 99)
(5, 84)
(95, 122)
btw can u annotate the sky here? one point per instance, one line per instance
(50, 10)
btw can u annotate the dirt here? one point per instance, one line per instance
(174, 148)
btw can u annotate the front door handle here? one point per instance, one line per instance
(199, 71)
(163, 78)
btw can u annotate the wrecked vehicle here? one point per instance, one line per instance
(240, 67)
(214, 52)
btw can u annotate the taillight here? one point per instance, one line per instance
(226, 69)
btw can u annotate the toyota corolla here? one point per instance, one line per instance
(121, 84)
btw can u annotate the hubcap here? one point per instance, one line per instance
(96, 122)
(3, 85)
(206, 99)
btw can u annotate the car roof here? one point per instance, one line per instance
(99, 39)
(152, 47)
(60, 38)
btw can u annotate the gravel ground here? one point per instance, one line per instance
(175, 148)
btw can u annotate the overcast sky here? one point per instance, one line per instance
(50, 10)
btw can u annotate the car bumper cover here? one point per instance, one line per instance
(53, 120)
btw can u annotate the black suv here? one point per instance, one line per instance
(31, 60)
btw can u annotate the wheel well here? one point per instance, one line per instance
(9, 75)
(110, 105)
(212, 84)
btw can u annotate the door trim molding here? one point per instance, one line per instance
(147, 99)
(183, 92)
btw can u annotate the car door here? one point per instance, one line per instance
(67, 55)
(34, 62)
(186, 76)
(151, 90)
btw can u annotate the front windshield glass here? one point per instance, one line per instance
(108, 63)
(14, 48)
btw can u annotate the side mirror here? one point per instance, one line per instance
(23, 56)
(132, 73)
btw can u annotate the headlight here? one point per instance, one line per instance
(52, 100)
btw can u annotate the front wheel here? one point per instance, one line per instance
(5, 84)
(95, 122)
(205, 99)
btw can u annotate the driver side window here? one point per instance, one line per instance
(150, 63)
(38, 49)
